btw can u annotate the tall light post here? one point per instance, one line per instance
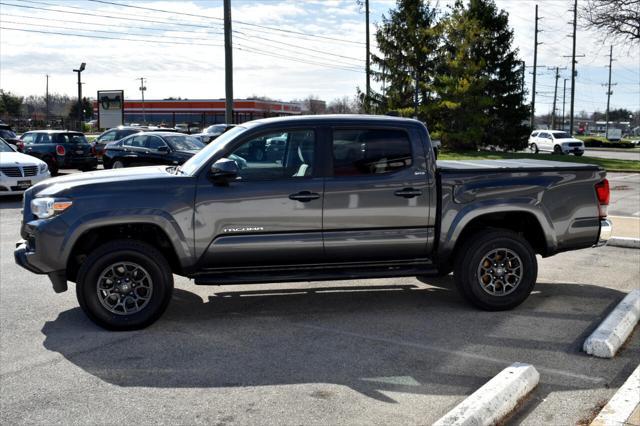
(143, 88)
(79, 71)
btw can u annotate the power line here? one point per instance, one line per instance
(220, 19)
(177, 23)
(242, 47)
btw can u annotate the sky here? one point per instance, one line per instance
(283, 49)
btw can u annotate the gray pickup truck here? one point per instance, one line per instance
(344, 197)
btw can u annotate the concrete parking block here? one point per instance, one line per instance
(605, 341)
(495, 399)
(624, 242)
(623, 408)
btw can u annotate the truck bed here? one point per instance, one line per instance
(528, 165)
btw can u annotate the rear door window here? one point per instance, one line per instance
(360, 152)
(110, 136)
(136, 141)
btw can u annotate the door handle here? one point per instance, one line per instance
(304, 196)
(408, 192)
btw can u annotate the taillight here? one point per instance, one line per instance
(20, 145)
(60, 150)
(603, 194)
(93, 150)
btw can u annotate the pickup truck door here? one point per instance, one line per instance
(376, 204)
(271, 214)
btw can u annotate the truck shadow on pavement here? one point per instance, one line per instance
(377, 340)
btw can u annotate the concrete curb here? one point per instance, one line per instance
(623, 404)
(495, 399)
(605, 341)
(625, 242)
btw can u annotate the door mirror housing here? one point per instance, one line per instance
(224, 169)
(163, 149)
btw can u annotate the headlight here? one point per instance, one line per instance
(43, 168)
(47, 207)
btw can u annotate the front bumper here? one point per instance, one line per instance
(17, 185)
(606, 228)
(28, 259)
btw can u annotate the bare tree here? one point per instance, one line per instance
(343, 105)
(617, 19)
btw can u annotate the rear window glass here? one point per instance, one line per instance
(367, 152)
(72, 138)
(7, 134)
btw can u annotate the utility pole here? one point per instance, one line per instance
(80, 114)
(555, 97)
(535, 64)
(367, 107)
(47, 97)
(415, 96)
(573, 66)
(228, 64)
(564, 94)
(143, 88)
(609, 93)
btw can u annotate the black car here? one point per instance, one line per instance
(9, 136)
(60, 149)
(113, 135)
(150, 148)
(212, 132)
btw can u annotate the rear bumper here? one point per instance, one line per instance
(606, 228)
(78, 162)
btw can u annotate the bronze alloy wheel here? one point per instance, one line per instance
(500, 272)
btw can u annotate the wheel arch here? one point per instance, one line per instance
(87, 239)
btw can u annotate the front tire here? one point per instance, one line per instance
(124, 285)
(578, 154)
(557, 150)
(496, 270)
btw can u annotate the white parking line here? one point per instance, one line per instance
(462, 354)
(495, 399)
(616, 328)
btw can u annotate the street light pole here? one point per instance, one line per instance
(79, 71)
(143, 88)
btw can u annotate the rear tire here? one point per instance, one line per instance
(534, 148)
(117, 164)
(52, 165)
(496, 270)
(124, 285)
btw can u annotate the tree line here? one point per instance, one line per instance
(468, 77)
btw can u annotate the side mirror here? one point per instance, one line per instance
(224, 169)
(163, 149)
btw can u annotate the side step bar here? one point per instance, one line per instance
(302, 273)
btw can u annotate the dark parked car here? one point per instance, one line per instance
(9, 136)
(113, 135)
(60, 149)
(150, 148)
(212, 132)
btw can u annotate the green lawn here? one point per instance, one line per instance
(611, 165)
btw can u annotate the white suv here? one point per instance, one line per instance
(556, 141)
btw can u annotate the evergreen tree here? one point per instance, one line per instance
(479, 81)
(407, 41)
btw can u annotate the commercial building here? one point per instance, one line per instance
(201, 112)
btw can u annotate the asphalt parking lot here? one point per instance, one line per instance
(389, 351)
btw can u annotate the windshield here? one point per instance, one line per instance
(7, 134)
(4, 146)
(561, 135)
(216, 128)
(194, 163)
(183, 143)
